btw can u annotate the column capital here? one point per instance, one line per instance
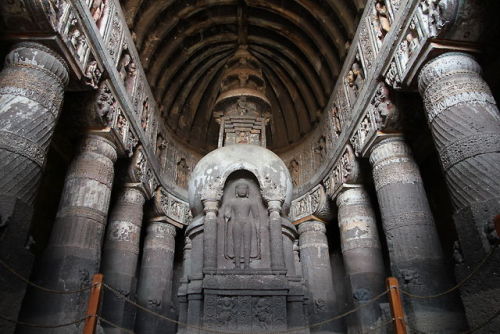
(353, 196)
(161, 227)
(96, 143)
(39, 57)
(388, 148)
(445, 65)
(312, 226)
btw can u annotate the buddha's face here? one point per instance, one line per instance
(242, 190)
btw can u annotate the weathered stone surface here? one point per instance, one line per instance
(362, 255)
(465, 123)
(155, 280)
(74, 251)
(317, 272)
(414, 248)
(120, 256)
(31, 93)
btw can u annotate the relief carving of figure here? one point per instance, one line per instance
(320, 148)
(97, 11)
(92, 74)
(294, 169)
(242, 213)
(182, 173)
(106, 105)
(381, 20)
(354, 80)
(127, 69)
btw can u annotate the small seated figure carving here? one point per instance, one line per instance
(241, 213)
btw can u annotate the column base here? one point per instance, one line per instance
(481, 293)
(15, 219)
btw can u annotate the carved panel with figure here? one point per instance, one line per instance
(243, 236)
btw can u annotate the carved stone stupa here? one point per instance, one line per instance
(241, 271)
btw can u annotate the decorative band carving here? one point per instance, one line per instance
(404, 172)
(92, 169)
(124, 231)
(161, 230)
(360, 243)
(468, 147)
(456, 90)
(84, 212)
(22, 146)
(353, 196)
(312, 226)
(99, 145)
(313, 245)
(26, 84)
(406, 219)
(389, 148)
(446, 64)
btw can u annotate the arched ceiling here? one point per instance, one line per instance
(184, 44)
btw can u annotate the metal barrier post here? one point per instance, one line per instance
(396, 305)
(93, 305)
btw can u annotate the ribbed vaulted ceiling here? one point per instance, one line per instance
(184, 44)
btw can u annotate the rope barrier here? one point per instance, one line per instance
(27, 281)
(128, 300)
(459, 284)
(128, 331)
(28, 324)
(470, 331)
(490, 319)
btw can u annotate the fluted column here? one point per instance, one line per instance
(414, 248)
(362, 255)
(317, 271)
(31, 93)
(73, 254)
(120, 256)
(155, 280)
(465, 124)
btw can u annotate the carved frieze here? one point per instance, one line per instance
(428, 21)
(381, 116)
(314, 203)
(345, 171)
(172, 207)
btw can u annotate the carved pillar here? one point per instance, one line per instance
(195, 232)
(31, 92)
(210, 235)
(317, 271)
(414, 247)
(120, 256)
(362, 255)
(277, 257)
(182, 293)
(465, 123)
(155, 280)
(74, 251)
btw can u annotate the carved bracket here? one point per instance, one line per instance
(176, 210)
(314, 203)
(346, 171)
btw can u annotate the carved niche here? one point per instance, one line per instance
(381, 20)
(243, 242)
(294, 169)
(182, 173)
(354, 79)
(127, 69)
